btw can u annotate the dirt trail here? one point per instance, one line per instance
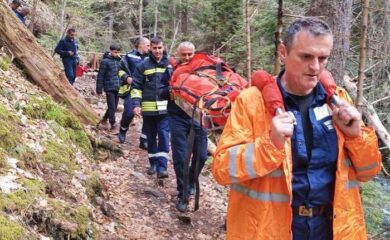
(141, 209)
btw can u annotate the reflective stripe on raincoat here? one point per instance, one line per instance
(260, 175)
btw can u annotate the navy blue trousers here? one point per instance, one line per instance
(180, 129)
(128, 115)
(70, 69)
(312, 228)
(157, 133)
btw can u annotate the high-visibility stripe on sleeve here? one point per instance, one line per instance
(368, 167)
(143, 136)
(135, 93)
(352, 184)
(261, 196)
(121, 73)
(232, 163)
(249, 156)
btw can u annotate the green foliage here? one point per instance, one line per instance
(10, 230)
(3, 161)
(49, 39)
(46, 108)
(4, 63)
(78, 215)
(374, 199)
(69, 129)
(9, 131)
(60, 156)
(26, 156)
(22, 198)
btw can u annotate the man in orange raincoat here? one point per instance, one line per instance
(296, 175)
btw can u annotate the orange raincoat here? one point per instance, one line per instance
(260, 175)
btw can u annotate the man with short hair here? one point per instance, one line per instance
(295, 175)
(128, 64)
(15, 4)
(148, 101)
(180, 124)
(67, 49)
(108, 80)
(22, 14)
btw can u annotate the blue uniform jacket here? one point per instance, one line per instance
(64, 46)
(147, 88)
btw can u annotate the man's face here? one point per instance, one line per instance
(115, 53)
(305, 60)
(157, 50)
(71, 35)
(186, 54)
(144, 47)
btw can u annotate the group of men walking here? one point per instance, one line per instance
(292, 175)
(141, 78)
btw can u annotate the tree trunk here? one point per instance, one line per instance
(33, 14)
(62, 17)
(248, 40)
(184, 17)
(278, 36)
(338, 15)
(363, 53)
(109, 30)
(141, 6)
(40, 66)
(155, 18)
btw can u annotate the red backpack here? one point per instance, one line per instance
(208, 85)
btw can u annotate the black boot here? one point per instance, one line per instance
(122, 135)
(152, 170)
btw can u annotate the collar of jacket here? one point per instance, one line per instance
(319, 91)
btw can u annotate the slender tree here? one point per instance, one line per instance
(155, 17)
(141, 7)
(338, 15)
(363, 54)
(247, 39)
(278, 36)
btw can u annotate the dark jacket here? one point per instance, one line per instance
(108, 78)
(64, 46)
(128, 64)
(21, 17)
(147, 86)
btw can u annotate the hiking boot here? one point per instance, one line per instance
(114, 128)
(122, 136)
(152, 170)
(162, 174)
(181, 205)
(143, 145)
(103, 124)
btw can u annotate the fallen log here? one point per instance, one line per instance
(40, 66)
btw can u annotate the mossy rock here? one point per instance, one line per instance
(10, 134)
(60, 156)
(26, 156)
(46, 108)
(22, 198)
(93, 186)
(374, 199)
(3, 161)
(10, 230)
(76, 136)
(78, 215)
(4, 63)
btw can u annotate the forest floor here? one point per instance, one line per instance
(140, 207)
